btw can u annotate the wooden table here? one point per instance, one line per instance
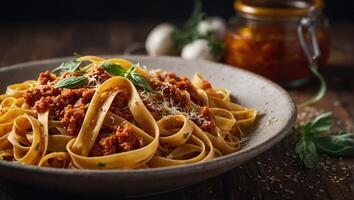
(275, 174)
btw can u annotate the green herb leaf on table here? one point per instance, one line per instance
(320, 124)
(313, 140)
(306, 150)
(67, 66)
(113, 69)
(336, 145)
(71, 82)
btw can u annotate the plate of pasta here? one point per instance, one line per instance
(133, 124)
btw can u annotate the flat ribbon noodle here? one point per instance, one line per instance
(6, 123)
(55, 160)
(57, 143)
(245, 117)
(178, 131)
(12, 102)
(80, 147)
(17, 90)
(27, 154)
(6, 154)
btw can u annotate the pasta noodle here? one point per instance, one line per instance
(96, 113)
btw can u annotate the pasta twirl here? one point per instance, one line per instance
(96, 113)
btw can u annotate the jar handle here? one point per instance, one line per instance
(311, 48)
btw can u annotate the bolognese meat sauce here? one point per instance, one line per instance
(174, 82)
(123, 139)
(70, 105)
(205, 119)
(46, 77)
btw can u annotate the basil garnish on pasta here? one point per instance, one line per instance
(71, 82)
(113, 69)
(138, 80)
(67, 66)
(135, 78)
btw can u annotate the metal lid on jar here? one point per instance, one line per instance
(276, 8)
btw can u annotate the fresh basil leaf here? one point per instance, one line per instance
(67, 66)
(140, 81)
(312, 139)
(113, 69)
(320, 124)
(130, 70)
(137, 79)
(336, 145)
(71, 82)
(300, 145)
(307, 152)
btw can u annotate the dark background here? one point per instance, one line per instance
(134, 10)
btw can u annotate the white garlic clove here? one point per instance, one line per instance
(159, 40)
(198, 49)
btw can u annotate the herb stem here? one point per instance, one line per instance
(322, 90)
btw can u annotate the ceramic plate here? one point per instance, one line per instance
(277, 116)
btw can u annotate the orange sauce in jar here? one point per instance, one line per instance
(269, 45)
(272, 52)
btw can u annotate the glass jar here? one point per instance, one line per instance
(265, 39)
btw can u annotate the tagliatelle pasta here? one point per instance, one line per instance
(96, 113)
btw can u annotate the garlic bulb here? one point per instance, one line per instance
(198, 49)
(216, 25)
(159, 41)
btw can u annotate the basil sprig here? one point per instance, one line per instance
(189, 33)
(113, 69)
(110, 68)
(67, 66)
(135, 78)
(313, 140)
(71, 82)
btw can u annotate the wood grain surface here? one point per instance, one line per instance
(275, 174)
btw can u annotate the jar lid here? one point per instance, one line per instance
(277, 8)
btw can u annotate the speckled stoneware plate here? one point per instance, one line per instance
(277, 116)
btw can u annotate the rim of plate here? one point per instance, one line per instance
(242, 154)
